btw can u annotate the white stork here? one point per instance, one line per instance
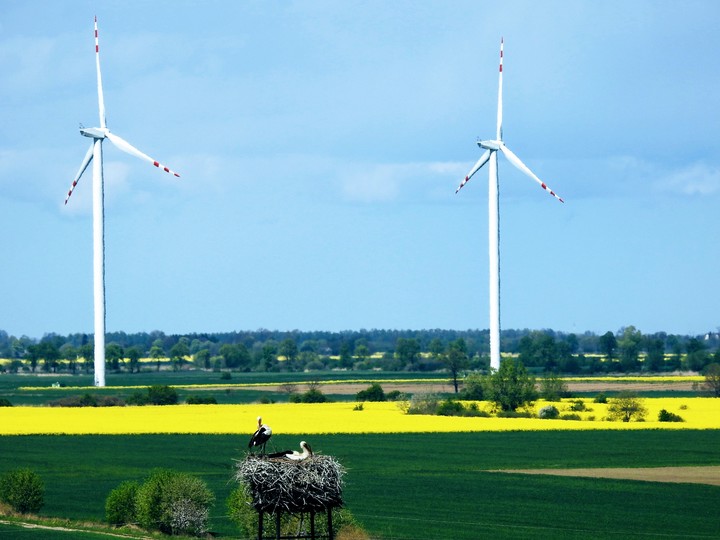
(294, 454)
(261, 436)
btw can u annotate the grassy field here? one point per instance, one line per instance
(419, 486)
(400, 486)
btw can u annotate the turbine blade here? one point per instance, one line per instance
(512, 158)
(101, 100)
(85, 162)
(500, 107)
(125, 146)
(482, 161)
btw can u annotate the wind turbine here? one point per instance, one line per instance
(94, 154)
(491, 148)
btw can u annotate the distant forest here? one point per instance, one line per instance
(627, 350)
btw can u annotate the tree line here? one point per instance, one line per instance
(627, 350)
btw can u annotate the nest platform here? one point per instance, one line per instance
(280, 485)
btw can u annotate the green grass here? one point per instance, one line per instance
(408, 486)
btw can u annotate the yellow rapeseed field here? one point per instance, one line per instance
(301, 419)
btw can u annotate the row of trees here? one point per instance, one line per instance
(428, 350)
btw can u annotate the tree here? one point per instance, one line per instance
(69, 353)
(178, 352)
(33, 355)
(362, 351)
(113, 354)
(87, 352)
(407, 350)
(538, 349)
(511, 386)
(235, 356)
(608, 344)
(629, 345)
(626, 406)
(712, 378)
(456, 359)
(157, 352)
(697, 356)
(23, 490)
(202, 358)
(655, 359)
(436, 348)
(268, 354)
(133, 355)
(346, 360)
(553, 388)
(289, 349)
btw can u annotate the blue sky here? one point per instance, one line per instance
(320, 144)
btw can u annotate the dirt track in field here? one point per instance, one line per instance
(436, 388)
(684, 475)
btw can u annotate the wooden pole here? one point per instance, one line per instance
(277, 524)
(330, 528)
(312, 524)
(260, 524)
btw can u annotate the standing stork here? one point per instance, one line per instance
(294, 454)
(261, 436)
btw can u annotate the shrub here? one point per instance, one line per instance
(374, 392)
(359, 407)
(548, 412)
(226, 376)
(87, 400)
(23, 490)
(201, 400)
(174, 503)
(578, 406)
(4, 402)
(138, 398)
(473, 388)
(311, 396)
(570, 416)
(450, 407)
(162, 395)
(667, 416)
(423, 404)
(120, 504)
(600, 398)
(393, 395)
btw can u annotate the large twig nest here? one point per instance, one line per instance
(313, 484)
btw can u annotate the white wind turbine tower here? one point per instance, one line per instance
(95, 154)
(491, 148)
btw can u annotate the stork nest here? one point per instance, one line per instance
(277, 484)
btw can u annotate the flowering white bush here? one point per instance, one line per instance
(548, 412)
(188, 517)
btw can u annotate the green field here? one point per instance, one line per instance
(81, 384)
(419, 486)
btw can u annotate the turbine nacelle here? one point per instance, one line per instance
(490, 145)
(94, 133)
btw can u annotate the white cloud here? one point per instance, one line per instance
(695, 179)
(388, 182)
